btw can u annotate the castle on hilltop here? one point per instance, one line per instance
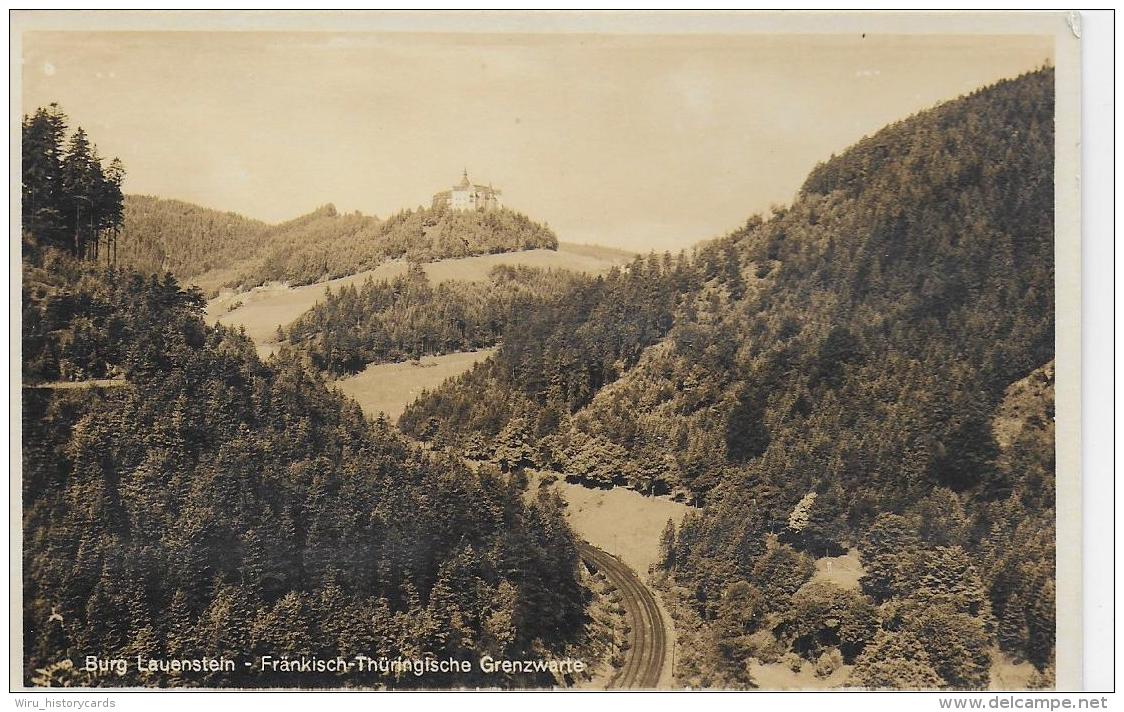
(466, 196)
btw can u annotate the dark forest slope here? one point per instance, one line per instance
(160, 235)
(212, 505)
(825, 379)
(409, 317)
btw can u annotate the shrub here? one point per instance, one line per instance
(793, 662)
(764, 646)
(830, 661)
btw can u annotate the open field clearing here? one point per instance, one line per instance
(389, 387)
(262, 309)
(843, 571)
(620, 521)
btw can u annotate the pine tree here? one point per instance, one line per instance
(1041, 623)
(958, 644)
(894, 661)
(80, 181)
(1013, 631)
(667, 546)
(44, 133)
(499, 633)
(179, 637)
(949, 577)
(69, 200)
(513, 450)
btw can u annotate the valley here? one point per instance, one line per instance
(430, 433)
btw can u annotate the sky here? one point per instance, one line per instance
(639, 141)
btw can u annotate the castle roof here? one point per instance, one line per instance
(477, 191)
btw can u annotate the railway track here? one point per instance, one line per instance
(643, 660)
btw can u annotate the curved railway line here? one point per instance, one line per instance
(643, 660)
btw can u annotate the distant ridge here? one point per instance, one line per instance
(214, 249)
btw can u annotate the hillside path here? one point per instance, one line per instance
(72, 385)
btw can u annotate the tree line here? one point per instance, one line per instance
(70, 201)
(218, 250)
(408, 317)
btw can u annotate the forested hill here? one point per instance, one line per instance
(214, 249)
(409, 317)
(824, 379)
(184, 501)
(160, 235)
(211, 505)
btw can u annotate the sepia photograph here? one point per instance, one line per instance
(438, 351)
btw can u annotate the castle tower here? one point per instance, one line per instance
(467, 196)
